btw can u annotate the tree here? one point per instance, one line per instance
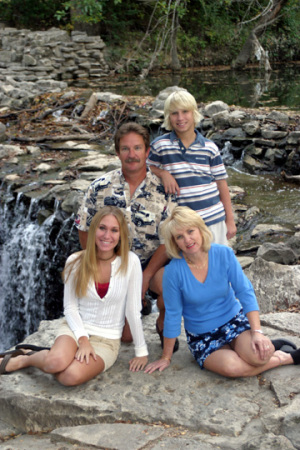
(164, 22)
(252, 46)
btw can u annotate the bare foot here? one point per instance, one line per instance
(284, 358)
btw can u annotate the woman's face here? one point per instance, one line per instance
(107, 234)
(189, 240)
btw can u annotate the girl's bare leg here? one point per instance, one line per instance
(50, 361)
(60, 361)
(80, 372)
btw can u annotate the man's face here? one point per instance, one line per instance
(133, 153)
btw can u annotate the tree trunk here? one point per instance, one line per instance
(252, 47)
(175, 63)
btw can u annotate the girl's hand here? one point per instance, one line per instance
(138, 363)
(84, 350)
(160, 365)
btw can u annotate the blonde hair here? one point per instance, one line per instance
(85, 264)
(184, 217)
(180, 100)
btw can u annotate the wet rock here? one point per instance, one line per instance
(2, 133)
(279, 253)
(270, 229)
(43, 167)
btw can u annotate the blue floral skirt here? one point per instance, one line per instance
(202, 345)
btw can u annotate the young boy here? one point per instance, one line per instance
(191, 166)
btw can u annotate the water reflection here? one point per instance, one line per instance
(250, 88)
(278, 201)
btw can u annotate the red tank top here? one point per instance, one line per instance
(101, 289)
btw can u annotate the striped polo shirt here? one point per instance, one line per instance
(196, 170)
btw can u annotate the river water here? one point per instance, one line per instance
(251, 88)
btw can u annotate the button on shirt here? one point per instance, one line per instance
(144, 211)
(196, 170)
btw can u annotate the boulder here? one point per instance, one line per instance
(214, 108)
(277, 286)
(279, 253)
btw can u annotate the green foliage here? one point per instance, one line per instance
(207, 28)
(33, 14)
(88, 11)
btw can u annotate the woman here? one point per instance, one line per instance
(102, 284)
(205, 284)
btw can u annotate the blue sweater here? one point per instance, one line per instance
(206, 306)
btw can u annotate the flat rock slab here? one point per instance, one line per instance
(110, 436)
(212, 410)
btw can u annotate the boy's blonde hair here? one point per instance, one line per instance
(180, 100)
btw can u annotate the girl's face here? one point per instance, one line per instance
(107, 234)
(189, 240)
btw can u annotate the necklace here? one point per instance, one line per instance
(191, 263)
(106, 259)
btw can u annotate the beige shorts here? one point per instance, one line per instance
(107, 349)
(219, 231)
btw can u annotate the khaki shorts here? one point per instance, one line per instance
(219, 231)
(107, 349)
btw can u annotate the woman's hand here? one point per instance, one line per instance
(262, 345)
(138, 363)
(160, 365)
(84, 350)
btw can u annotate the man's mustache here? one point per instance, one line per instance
(130, 160)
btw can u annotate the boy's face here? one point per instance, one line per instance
(182, 121)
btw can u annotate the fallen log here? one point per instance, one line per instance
(57, 108)
(290, 178)
(69, 137)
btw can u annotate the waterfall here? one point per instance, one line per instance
(32, 258)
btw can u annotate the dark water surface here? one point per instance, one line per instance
(250, 88)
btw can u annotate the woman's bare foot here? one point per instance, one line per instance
(284, 358)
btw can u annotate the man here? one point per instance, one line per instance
(191, 166)
(140, 195)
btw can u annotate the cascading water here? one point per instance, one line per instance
(32, 258)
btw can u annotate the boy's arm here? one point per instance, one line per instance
(168, 181)
(226, 200)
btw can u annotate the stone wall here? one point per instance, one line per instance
(35, 62)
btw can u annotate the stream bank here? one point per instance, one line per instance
(50, 154)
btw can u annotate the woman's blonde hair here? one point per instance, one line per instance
(85, 265)
(180, 100)
(184, 217)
